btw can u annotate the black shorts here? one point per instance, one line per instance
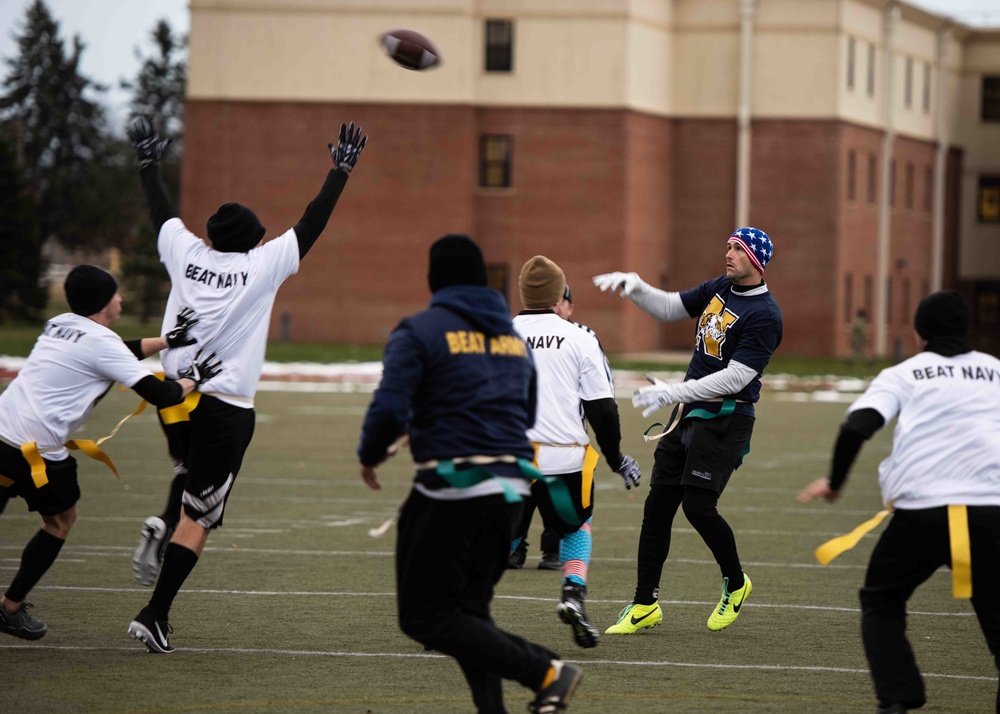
(220, 435)
(57, 496)
(702, 453)
(575, 484)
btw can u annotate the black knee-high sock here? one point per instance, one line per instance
(654, 540)
(38, 556)
(172, 513)
(700, 509)
(178, 562)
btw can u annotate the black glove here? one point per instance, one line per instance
(629, 471)
(201, 370)
(178, 337)
(142, 133)
(345, 154)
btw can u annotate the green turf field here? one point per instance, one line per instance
(292, 607)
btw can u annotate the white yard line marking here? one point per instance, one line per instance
(409, 655)
(530, 598)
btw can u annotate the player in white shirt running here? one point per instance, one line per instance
(943, 481)
(574, 388)
(72, 366)
(230, 280)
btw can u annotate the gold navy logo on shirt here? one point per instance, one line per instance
(712, 327)
(214, 279)
(467, 342)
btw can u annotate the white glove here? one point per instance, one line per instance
(624, 283)
(658, 395)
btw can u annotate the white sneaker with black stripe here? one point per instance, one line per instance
(149, 555)
(151, 631)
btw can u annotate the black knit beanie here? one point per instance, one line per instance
(942, 319)
(455, 259)
(234, 229)
(89, 289)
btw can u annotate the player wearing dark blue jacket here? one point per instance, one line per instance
(739, 327)
(460, 383)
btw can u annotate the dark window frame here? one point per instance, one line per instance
(926, 102)
(872, 178)
(989, 98)
(870, 82)
(488, 163)
(498, 45)
(909, 184)
(852, 175)
(851, 52)
(990, 183)
(908, 84)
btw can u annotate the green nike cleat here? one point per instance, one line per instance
(636, 617)
(730, 605)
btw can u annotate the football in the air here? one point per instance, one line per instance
(410, 49)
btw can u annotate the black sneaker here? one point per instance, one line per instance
(550, 561)
(517, 558)
(151, 631)
(572, 612)
(21, 624)
(555, 697)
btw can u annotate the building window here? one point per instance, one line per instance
(909, 185)
(497, 277)
(892, 182)
(908, 88)
(851, 42)
(848, 297)
(986, 307)
(928, 188)
(991, 98)
(851, 175)
(871, 70)
(499, 45)
(871, 178)
(927, 88)
(869, 294)
(989, 199)
(494, 161)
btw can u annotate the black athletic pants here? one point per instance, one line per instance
(449, 557)
(915, 544)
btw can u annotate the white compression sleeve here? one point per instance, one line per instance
(723, 383)
(659, 303)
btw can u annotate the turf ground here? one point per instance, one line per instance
(292, 607)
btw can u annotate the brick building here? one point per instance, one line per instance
(862, 135)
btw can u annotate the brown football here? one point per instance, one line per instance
(410, 49)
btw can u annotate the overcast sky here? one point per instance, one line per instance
(113, 29)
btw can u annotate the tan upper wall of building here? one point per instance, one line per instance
(664, 57)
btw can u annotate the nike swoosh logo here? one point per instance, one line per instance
(162, 637)
(736, 608)
(636, 622)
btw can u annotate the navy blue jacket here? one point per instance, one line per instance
(457, 378)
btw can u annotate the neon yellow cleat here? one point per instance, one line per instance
(636, 617)
(730, 605)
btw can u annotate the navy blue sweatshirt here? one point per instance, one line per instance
(457, 378)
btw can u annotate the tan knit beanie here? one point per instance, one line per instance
(541, 283)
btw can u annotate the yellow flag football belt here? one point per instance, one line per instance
(33, 455)
(958, 536)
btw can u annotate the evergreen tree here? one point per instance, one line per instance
(58, 131)
(21, 296)
(158, 90)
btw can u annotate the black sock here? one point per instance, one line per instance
(38, 556)
(178, 562)
(172, 513)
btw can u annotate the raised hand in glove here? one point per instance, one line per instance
(202, 369)
(656, 396)
(148, 147)
(179, 337)
(345, 154)
(623, 283)
(629, 471)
